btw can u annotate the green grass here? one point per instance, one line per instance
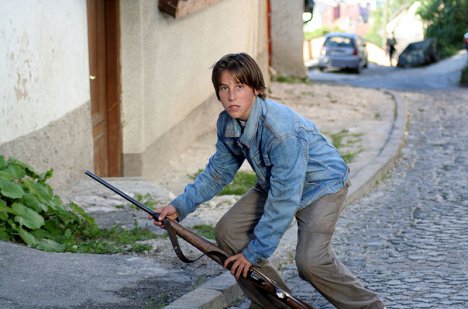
(205, 230)
(242, 182)
(290, 79)
(115, 240)
(344, 140)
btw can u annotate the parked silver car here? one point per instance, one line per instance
(343, 51)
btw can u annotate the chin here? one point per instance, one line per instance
(235, 116)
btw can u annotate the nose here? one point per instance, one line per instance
(232, 95)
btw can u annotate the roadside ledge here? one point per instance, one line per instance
(221, 291)
(218, 292)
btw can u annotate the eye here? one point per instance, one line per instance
(223, 88)
(240, 86)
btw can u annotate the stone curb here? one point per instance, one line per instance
(223, 290)
(366, 178)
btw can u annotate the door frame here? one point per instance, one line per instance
(107, 13)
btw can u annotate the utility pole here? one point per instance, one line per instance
(385, 21)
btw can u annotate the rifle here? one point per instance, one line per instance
(215, 253)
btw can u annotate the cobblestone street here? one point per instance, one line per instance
(408, 239)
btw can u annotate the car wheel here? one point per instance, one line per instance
(321, 69)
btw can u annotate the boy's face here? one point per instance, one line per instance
(237, 98)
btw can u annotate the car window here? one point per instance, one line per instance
(338, 41)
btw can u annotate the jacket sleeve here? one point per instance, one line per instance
(220, 171)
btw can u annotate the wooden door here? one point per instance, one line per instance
(104, 63)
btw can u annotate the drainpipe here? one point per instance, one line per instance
(269, 32)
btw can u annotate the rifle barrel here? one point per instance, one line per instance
(142, 206)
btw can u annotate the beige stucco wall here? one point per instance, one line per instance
(167, 96)
(287, 37)
(44, 86)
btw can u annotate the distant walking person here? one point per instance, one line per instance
(391, 42)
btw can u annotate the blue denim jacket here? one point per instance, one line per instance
(293, 162)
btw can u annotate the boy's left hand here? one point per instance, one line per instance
(240, 265)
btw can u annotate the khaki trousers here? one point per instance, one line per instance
(315, 259)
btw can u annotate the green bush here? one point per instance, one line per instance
(446, 20)
(30, 213)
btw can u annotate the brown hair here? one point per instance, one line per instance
(244, 68)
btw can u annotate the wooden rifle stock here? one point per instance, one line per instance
(211, 250)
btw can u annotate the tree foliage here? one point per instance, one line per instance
(447, 21)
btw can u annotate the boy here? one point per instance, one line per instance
(299, 174)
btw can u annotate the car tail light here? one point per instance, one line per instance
(355, 51)
(323, 51)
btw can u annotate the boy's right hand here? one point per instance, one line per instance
(168, 211)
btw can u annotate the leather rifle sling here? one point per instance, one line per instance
(175, 243)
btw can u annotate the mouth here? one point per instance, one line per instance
(234, 108)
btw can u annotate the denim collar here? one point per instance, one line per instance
(234, 130)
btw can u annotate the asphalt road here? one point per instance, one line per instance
(442, 75)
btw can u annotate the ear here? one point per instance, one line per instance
(256, 92)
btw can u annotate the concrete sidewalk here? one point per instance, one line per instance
(34, 279)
